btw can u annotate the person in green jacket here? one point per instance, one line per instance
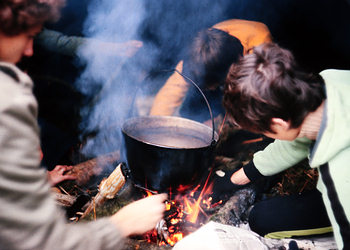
(307, 115)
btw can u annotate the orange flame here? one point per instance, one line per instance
(148, 193)
(174, 238)
(186, 209)
(194, 208)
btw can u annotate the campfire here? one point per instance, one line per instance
(187, 209)
(184, 214)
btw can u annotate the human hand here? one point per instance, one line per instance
(129, 48)
(140, 216)
(58, 174)
(223, 186)
(125, 49)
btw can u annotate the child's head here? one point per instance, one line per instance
(267, 84)
(20, 21)
(18, 16)
(209, 57)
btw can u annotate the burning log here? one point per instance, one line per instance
(184, 214)
(108, 189)
(85, 170)
(177, 222)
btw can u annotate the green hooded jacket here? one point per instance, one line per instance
(330, 153)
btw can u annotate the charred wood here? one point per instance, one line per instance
(86, 170)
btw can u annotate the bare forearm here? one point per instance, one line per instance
(239, 177)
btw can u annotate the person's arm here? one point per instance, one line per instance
(55, 41)
(171, 95)
(275, 158)
(29, 216)
(240, 177)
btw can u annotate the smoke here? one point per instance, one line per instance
(108, 80)
(111, 82)
(107, 21)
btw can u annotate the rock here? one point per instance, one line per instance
(236, 209)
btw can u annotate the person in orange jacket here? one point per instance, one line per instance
(206, 62)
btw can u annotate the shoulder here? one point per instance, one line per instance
(16, 87)
(336, 81)
(250, 33)
(11, 74)
(240, 23)
(331, 75)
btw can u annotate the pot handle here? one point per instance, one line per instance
(206, 101)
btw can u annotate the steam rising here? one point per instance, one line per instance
(107, 76)
(111, 82)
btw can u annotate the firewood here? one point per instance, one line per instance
(85, 170)
(108, 189)
(64, 200)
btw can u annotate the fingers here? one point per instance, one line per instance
(68, 177)
(63, 168)
(158, 202)
(131, 47)
(140, 216)
(58, 168)
(156, 206)
(136, 43)
(69, 168)
(59, 174)
(159, 197)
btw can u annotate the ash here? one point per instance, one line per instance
(236, 210)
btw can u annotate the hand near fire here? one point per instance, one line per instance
(58, 174)
(140, 216)
(227, 183)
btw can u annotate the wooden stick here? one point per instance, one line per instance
(252, 140)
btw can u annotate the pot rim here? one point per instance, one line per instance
(134, 122)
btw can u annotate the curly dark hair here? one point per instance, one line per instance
(18, 16)
(268, 83)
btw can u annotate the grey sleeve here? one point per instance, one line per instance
(55, 41)
(29, 217)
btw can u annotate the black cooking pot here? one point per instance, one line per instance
(167, 153)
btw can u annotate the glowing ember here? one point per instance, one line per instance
(184, 214)
(175, 238)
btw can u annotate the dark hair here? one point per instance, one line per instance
(210, 55)
(267, 84)
(18, 16)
